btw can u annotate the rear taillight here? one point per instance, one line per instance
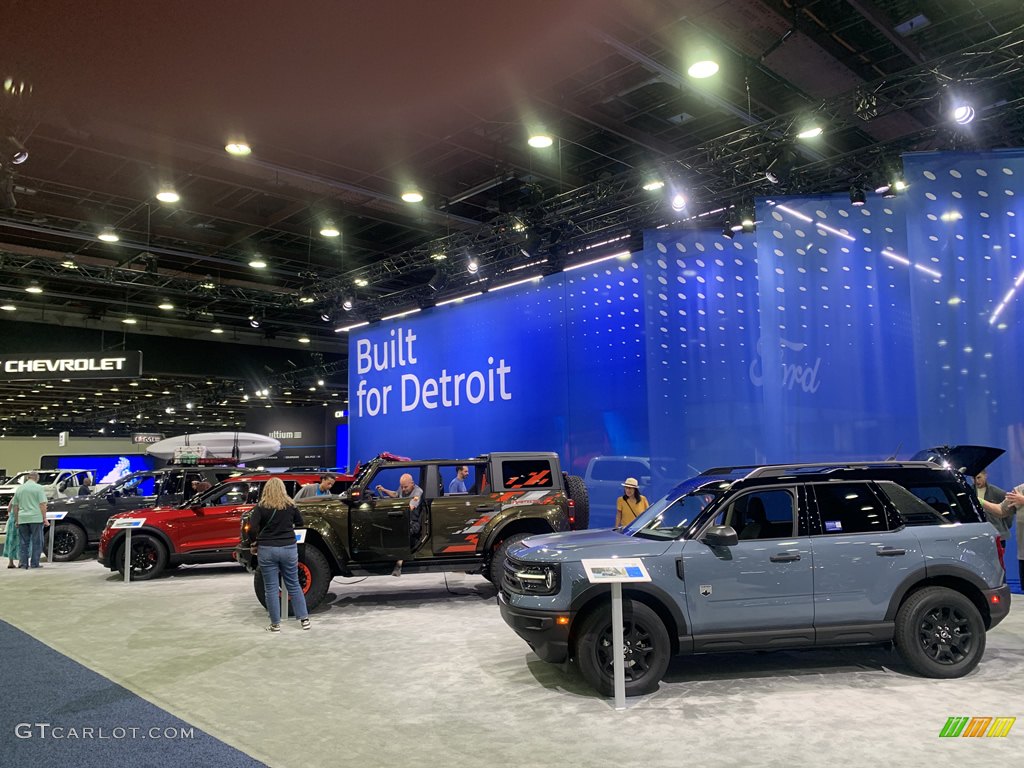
(1000, 548)
(572, 513)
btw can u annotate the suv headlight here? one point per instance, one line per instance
(532, 579)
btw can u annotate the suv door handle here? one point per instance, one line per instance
(486, 508)
(785, 557)
(396, 512)
(889, 552)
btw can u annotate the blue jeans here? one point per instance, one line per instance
(283, 562)
(30, 544)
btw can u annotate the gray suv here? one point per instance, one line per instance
(769, 557)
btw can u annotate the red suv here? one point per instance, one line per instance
(202, 530)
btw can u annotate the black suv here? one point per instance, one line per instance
(86, 516)
(506, 497)
(769, 557)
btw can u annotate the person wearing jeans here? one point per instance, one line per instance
(28, 511)
(272, 526)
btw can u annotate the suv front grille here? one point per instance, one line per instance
(530, 578)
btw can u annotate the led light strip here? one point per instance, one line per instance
(622, 255)
(1006, 298)
(401, 314)
(458, 298)
(517, 282)
(350, 327)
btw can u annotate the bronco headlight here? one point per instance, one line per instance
(534, 579)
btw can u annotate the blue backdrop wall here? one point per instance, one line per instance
(834, 332)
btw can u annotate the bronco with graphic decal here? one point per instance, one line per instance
(471, 512)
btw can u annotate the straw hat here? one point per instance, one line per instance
(631, 483)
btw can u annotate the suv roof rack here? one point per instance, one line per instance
(774, 470)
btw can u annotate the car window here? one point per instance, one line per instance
(849, 508)
(139, 485)
(229, 493)
(390, 478)
(764, 514)
(937, 504)
(472, 480)
(617, 470)
(526, 473)
(670, 516)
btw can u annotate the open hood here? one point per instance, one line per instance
(967, 459)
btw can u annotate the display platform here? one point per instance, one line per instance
(418, 671)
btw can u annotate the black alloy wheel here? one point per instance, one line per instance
(940, 633)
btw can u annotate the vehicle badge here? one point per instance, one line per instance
(705, 589)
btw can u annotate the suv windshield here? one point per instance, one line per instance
(45, 478)
(670, 516)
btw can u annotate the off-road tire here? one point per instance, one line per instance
(576, 490)
(940, 633)
(314, 578)
(647, 649)
(497, 565)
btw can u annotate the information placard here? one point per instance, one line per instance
(128, 522)
(615, 570)
(300, 535)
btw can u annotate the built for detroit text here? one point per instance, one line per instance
(447, 390)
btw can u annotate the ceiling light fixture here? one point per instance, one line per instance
(540, 140)
(303, 339)
(857, 196)
(238, 148)
(306, 300)
(810, 132)
(8, 307)
(217, 329)
(329, 230)
(361, 282)
(653, 185)
(108, 236)
(678, 201)
(16, 151)
(472, 266)
(129, 320)
(258, 263)
(168, 195)
(347, 302)
(963, 113)
(412, 196)
(34, 288)
(165, 305)
(703, 69)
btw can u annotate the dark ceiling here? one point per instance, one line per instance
(346, 104)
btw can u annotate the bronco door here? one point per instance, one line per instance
(378, 523)
(457, 518)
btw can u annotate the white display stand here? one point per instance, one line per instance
(128, 524)
(53, 527)
(615, 571)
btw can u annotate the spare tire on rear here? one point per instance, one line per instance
(577, 491)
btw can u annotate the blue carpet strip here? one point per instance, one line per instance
(55, 712)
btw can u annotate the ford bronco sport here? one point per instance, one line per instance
(509, 497)
(769, 557)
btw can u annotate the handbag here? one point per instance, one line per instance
(254, 548)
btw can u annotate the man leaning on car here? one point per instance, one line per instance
(323, 488)
(1014, 502)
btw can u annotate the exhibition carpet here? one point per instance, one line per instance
(54, 711)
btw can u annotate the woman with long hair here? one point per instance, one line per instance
(631, 504)
(272, 531)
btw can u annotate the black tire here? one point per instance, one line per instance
(148, 557)
(314, 578)
(577, 491)
(500, 555)
(68, 542)
(647, 649)
(940, 633)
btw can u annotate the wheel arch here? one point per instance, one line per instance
(967, 584)
(118, 542)
(598, 595)
(333, 552)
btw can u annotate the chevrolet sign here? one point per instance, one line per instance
(119, 365)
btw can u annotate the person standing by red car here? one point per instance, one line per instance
(272, 523)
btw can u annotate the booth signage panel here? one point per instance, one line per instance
(146, 438)
(128, 522)
(615, 570)
(115, 365)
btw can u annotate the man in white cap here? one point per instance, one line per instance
(631, 505)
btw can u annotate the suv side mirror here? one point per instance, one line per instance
(721, 536)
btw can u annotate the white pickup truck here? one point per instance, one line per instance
(58, 484)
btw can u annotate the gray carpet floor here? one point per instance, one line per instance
(420, 671)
